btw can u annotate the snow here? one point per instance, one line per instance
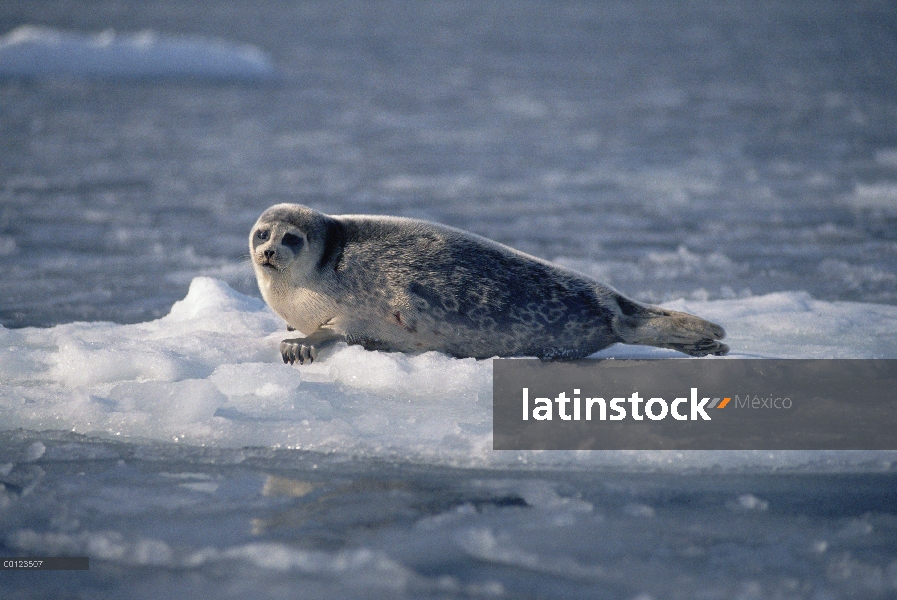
(209, 373)
(32, 51)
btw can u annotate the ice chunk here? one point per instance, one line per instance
(210, 373)
(31, 51)
(260, 379)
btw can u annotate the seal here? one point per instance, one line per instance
(407, 285)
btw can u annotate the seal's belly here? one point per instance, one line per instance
(483, 336)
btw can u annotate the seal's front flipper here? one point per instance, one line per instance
(654, 326)
(297, 350)
(307, 348)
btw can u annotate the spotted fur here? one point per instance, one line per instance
(406, 285)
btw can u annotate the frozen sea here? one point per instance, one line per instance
(734, 159)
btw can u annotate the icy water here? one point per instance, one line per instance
(737, 160)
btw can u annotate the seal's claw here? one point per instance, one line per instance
(701, 348)
(297, 350)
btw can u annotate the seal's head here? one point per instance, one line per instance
(281, 242)
(289, 242)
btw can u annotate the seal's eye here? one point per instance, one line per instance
(262, 234)
(292, 241)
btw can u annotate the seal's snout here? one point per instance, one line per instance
(266, 258)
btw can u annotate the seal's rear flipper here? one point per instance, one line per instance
(654, 326)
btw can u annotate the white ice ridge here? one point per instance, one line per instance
(32, 51)
(210, 373)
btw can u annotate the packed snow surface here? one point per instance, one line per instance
(209, 373)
